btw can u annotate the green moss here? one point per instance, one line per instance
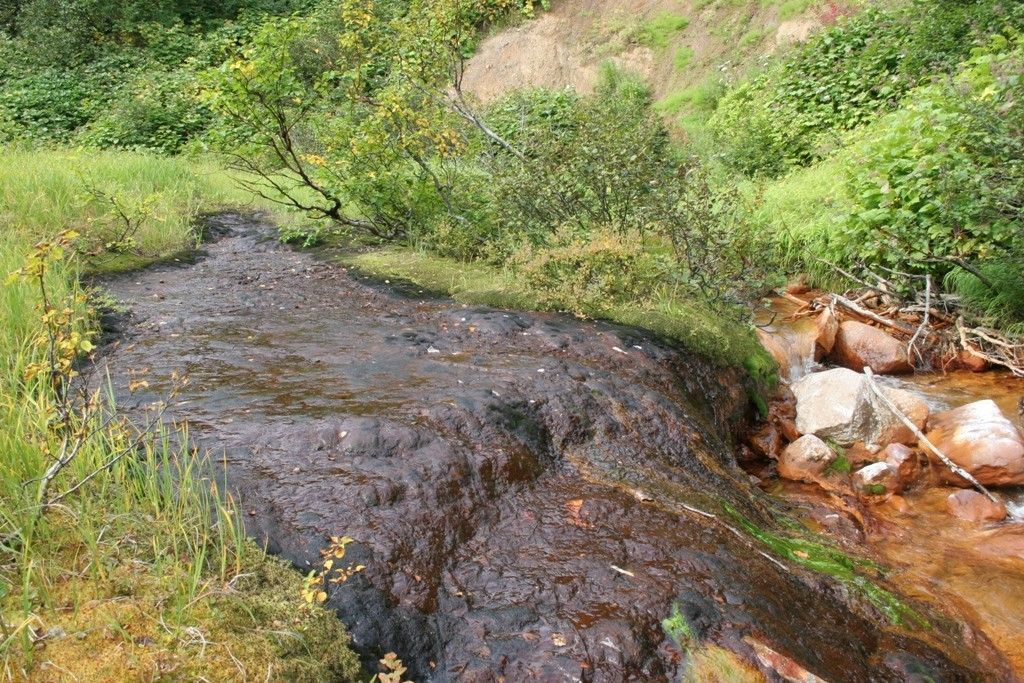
(823, 559)
(678, 628)
(314, 645)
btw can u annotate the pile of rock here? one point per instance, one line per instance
(834, 431)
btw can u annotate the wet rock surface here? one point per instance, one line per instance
(838, 404)
(520, 486)
(979, 438)
(858, 346)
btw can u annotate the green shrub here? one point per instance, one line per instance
(590, 274)
(843, 77)
(940, 182)
(159, 112)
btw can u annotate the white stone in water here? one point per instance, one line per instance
(838, 404)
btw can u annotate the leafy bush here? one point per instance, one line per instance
(940, 182)
(589, 274)
(591, 161)
(158, 112)
(797, 111)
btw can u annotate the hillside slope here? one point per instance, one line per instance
(674, 45)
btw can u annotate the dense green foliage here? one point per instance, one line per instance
(908, 125)
(116, 74)
(798, 109)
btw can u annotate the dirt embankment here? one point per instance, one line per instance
(521, 488)
(565, 47)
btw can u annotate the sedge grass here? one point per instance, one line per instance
(147, 563)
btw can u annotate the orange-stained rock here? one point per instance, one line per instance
(858, 346)
(971, 506)
(905, 461)
(968, 361)
(765, 441)
(860, 453)
(788, 430)
(776, 349)
(806, 459)
(876, 482)
(886, 428)
(980, 439)
(826, 327)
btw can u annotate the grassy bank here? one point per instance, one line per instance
(139, 569)
(679, 318)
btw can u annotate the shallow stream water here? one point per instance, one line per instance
(530, 494)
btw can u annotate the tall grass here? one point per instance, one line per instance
(149, 533)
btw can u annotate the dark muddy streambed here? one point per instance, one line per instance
(522, 488)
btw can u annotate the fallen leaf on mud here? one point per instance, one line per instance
(622, 571)
(531, 637)
(573, 508)
(558, 639)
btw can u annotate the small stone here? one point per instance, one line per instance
(876, 482)
(972, 506)
(905, 461)
(968, 361)
(806, 459)
(765, 442)
(826, 327)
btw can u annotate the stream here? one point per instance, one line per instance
(530, 494)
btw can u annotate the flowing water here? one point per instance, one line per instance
(530, 494)
(977, 571)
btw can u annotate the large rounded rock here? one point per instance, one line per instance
(858, 346)
(838, 404)
(980, 439)
(806, 459)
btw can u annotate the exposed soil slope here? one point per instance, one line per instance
(566, 46)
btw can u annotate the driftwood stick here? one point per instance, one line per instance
(956, 469)
(850, 276)
(863, 312)
(794, 299)
(924, 322)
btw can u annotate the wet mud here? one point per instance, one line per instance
(520, 487)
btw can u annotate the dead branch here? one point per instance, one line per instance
(911, 349)
(870, 315)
